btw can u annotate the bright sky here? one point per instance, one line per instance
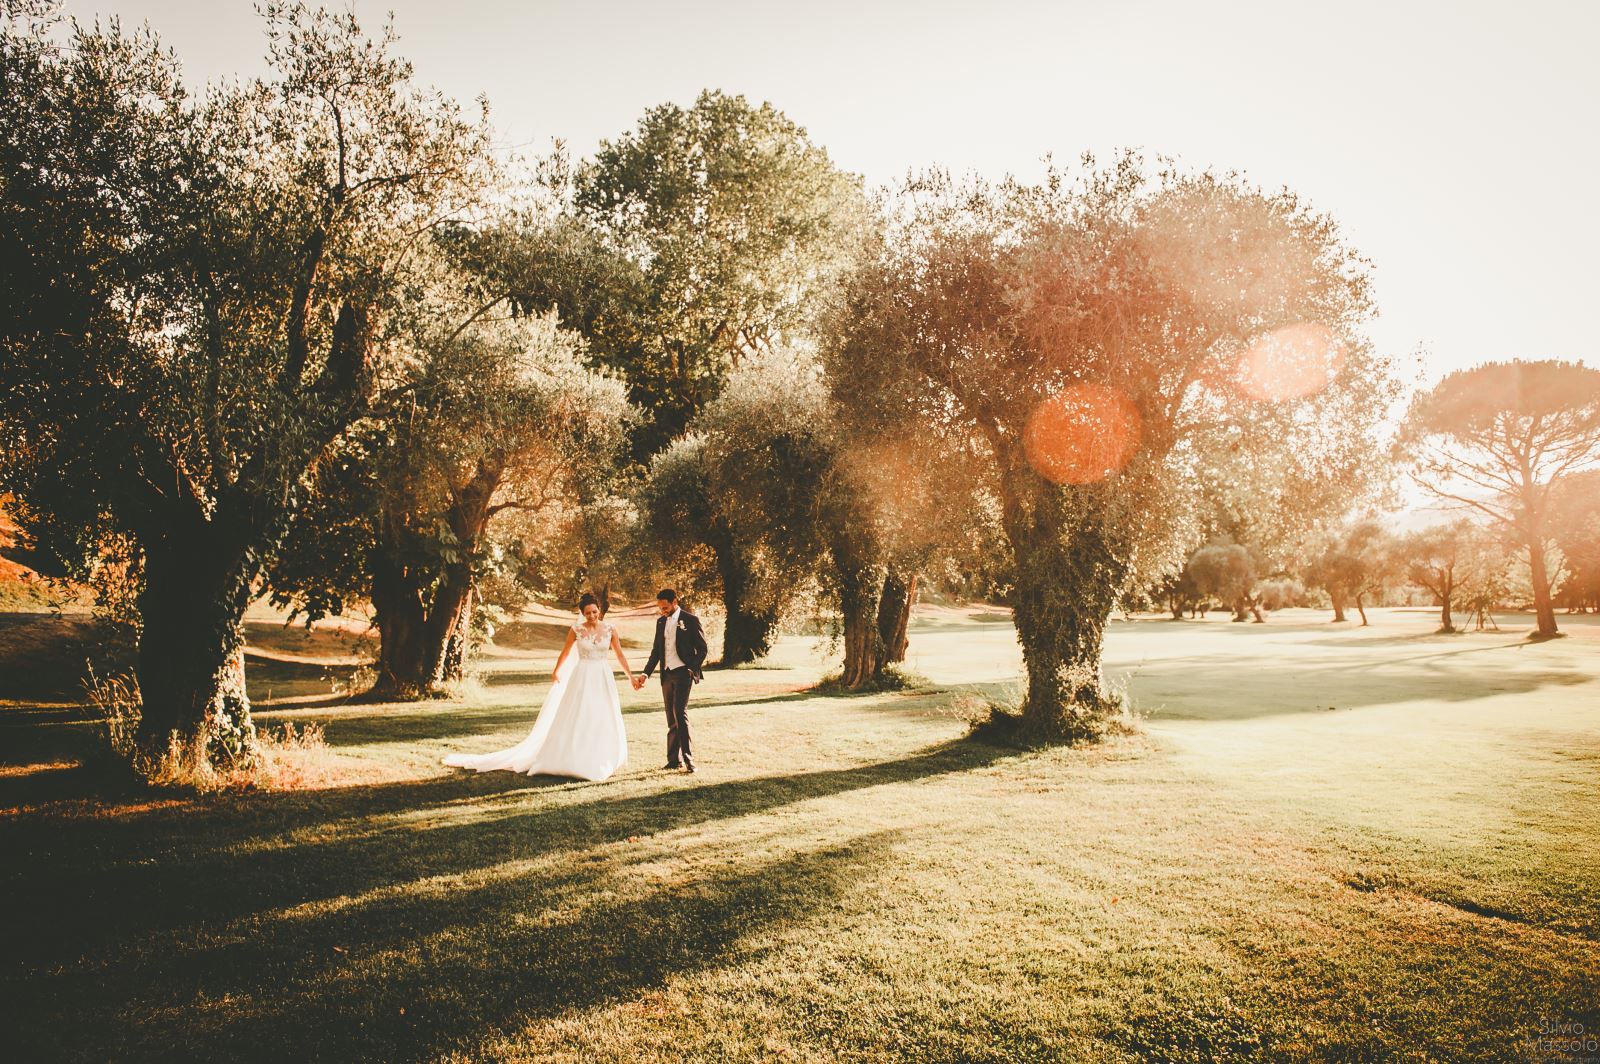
(1457, 142)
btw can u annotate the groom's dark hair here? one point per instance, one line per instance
(666, 594)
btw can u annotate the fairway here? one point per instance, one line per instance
(1325, 842)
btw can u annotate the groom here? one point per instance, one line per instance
(680, 650)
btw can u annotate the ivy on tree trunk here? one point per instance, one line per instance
(860, 588)
(421, 627)
(191, 647)
(455, 654)
(747, 634)
(1068, 575)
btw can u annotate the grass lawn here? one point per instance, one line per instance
(1327, 843)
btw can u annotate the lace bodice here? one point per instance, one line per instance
(593, 648)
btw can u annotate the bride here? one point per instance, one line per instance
(579, 731)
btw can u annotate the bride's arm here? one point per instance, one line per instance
(616, 645)
(572, 637)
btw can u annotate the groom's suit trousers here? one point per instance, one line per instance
(675, 686)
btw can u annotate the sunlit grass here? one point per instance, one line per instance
(1409, 875)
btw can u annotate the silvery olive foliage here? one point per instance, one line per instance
(746, 485)
(1355, 566)
(494, 440)
(984, 302)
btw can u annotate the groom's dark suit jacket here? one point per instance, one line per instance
(690, 645)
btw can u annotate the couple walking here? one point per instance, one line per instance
(579, 730)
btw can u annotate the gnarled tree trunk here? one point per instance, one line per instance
(747, 634)
(197, 583)
(894, 616)
(401, 618)
(1337, 597)
(860, 585)
(446, 613)
(455, 654)
(417, 633)
(201, 562)
(418, 627)
(1068, 575)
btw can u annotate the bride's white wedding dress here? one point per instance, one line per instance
(579, 730)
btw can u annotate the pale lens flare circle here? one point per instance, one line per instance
(1082, 434)
(1290, 363)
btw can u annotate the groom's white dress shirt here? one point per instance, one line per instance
(669, 640)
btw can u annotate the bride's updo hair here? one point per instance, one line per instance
(586, 601)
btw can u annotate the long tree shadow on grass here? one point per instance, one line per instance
(415, 974)
(38, 733)
(94, 886)
(362, 725)
(1247, 687)
(1437, 643)
(354, 724)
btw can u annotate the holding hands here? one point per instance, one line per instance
(638, 682)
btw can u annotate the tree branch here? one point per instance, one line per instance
(1507, 518)
(475, 315)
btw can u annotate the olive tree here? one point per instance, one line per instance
(909, 498)
(1103, 340)
(907, 503)
(200, 292)
(688, 532)
(1430, 558)
(745, 485)
(490, 417)
(1228, 573)
(783, 479)
(1355, 564)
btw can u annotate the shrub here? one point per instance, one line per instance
(116, 700)
(348, 683)
(891, 678)
(294, 759)
(1281, 593)
(998, 719)
(289, 759)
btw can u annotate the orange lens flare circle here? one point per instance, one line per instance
(1082, 434)
(1290, 363)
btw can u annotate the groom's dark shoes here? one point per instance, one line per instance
(688, 764)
